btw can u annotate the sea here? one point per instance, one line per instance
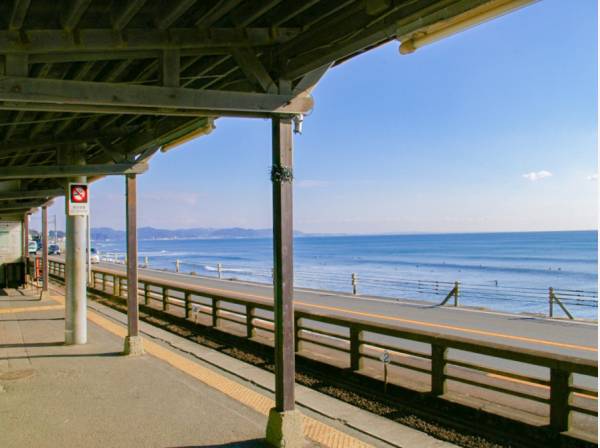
(509, 272)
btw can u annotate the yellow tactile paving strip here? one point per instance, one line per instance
(27, 309)
(315, 430)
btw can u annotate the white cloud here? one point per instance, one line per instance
(311, 183)
(593, 177)
(537, 175)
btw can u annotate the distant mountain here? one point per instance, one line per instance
(150, 233)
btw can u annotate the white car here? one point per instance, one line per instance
(32, 247)
(94, 256)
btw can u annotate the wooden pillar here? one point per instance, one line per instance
(281, 177)
(26, 248)
(284, 425)
(133, 342)
(45, 251)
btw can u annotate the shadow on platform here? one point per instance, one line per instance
(242, 444)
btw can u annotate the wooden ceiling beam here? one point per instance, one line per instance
(51, 140)
(99, 40)
(115, 96)
(31, 194)
(60, 171)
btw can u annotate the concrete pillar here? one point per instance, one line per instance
(76, 274)
(133, 341)
(45, 290)
(284, 427)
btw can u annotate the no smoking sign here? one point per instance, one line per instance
(78, 199)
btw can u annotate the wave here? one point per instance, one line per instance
(237, 270)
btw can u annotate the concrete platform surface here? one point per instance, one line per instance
(92, 395)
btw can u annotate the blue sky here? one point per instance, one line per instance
(494, 129)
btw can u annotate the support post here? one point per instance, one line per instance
(354, 349)
(45, 290)
(438, 370)
(75, 273)
(560, 400)
(133, 341)
(284, 427)
(550, 302)
(456, 290)
(26, 249)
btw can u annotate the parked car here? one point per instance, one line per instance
(94, 256)
(32, 247)
(53, 249)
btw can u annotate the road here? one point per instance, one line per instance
(573, 338)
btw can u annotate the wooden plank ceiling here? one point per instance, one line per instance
(119, 79)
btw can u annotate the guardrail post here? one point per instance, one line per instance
(103, 282)
(165, 299)
(219, 269)
(296, 334)
(438, 367)
(354, 283)
(146, 291)
(116, 286)
(177, 263)
(550, 302)
(146, 264)
(215, 308)
(456, 289)
(354, 348)
(186, 299)
(249, 317)
(560, 397)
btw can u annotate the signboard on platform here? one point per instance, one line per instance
(78, 200)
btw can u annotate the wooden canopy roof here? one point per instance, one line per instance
(116, 80)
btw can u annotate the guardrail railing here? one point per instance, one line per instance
(424, 360)
(573, 303)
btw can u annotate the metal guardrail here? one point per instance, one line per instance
(409, 288)
(360, 341)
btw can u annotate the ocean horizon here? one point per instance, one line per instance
(504, 271)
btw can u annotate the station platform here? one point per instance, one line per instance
(178, 394)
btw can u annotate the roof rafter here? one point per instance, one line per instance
(128, 9)
(72, 15)
(17, 14)
(254, 70)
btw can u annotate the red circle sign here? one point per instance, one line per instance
(79, 193)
